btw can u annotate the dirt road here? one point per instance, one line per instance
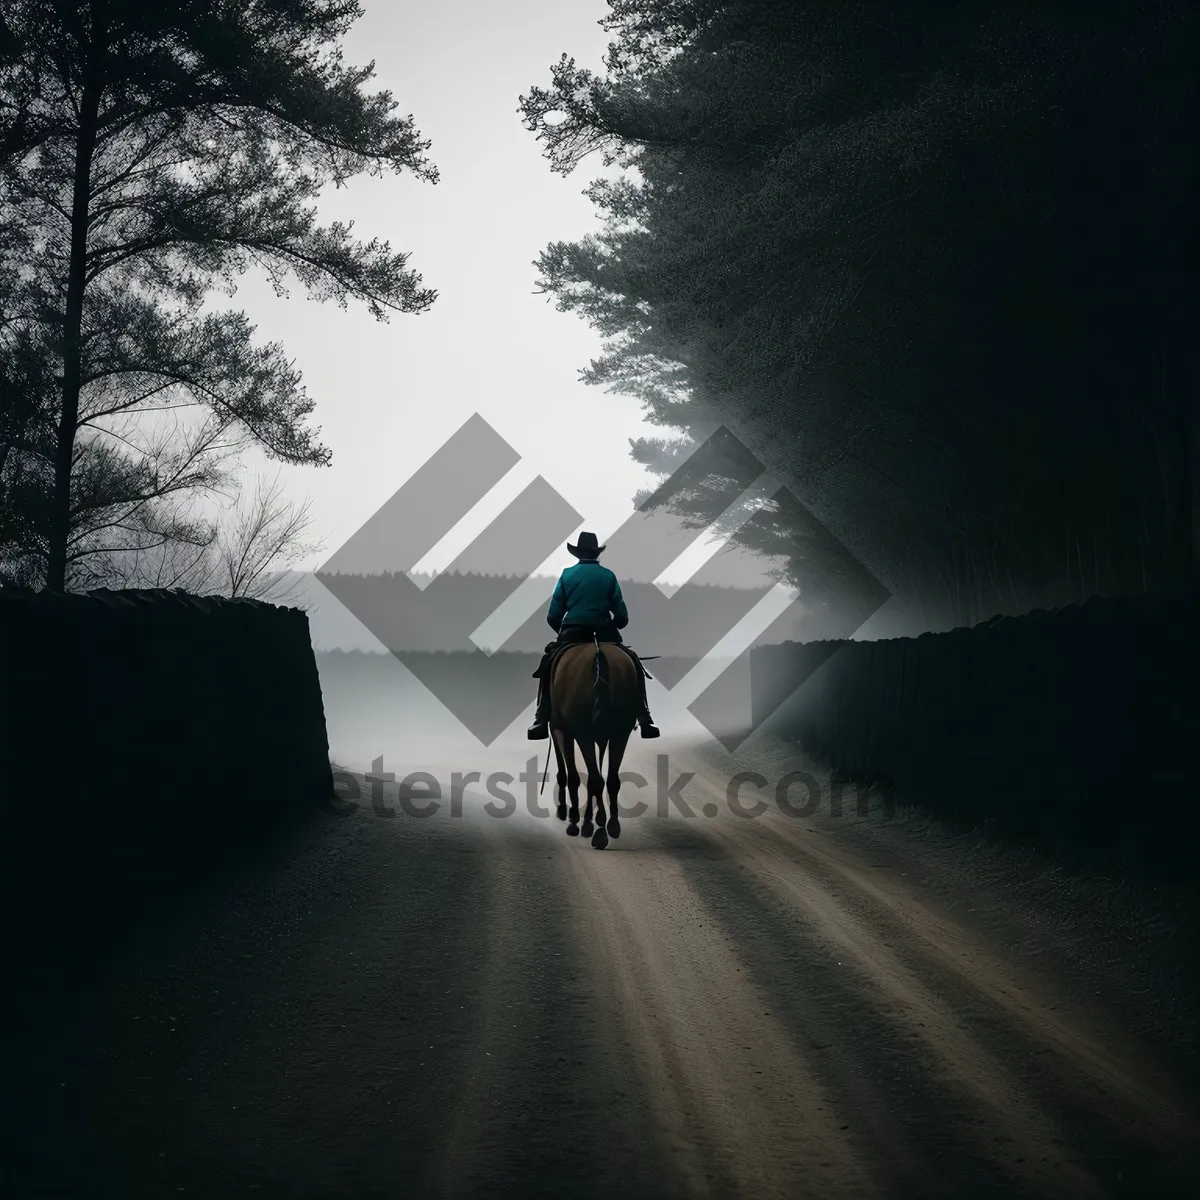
(714, 1006)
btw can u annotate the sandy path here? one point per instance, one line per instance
(732, 1098)
(713, 1007)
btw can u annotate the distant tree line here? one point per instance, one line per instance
(455, 604)
(933, 263)
(149, 154)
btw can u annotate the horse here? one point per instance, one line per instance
(593, 703)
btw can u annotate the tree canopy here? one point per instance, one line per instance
(149, 153)
(929, 262)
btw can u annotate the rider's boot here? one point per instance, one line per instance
(645, 720)
(539, 731)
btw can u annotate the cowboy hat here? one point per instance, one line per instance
(587, 548)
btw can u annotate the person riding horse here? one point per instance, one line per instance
(587, 603)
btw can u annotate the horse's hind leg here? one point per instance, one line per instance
(600, 819)
(616, 752)
(595, 787)
(560, 778)
(567, 745)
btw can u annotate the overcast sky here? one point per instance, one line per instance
(387, 395)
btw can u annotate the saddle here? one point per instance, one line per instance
(555, 650)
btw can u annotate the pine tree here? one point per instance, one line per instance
(149, 152)
(928, 262)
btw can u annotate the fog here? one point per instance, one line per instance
(405, 725)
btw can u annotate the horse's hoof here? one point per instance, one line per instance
(587, 828)
(614, 828)
(599, 840)
(562, 812)
(572, 831)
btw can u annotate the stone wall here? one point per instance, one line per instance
(145, 738)
(1073, 728)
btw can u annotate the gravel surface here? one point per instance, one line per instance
(713, 1006)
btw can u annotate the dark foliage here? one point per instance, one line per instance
(932, 263)
(148, 153)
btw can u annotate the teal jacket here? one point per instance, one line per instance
(587, 594)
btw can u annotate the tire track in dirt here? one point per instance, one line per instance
(961, 994)
(1111, 1063)
(911, 1133)
(711, 1008)
(967, 1072)
(552, 1103)
(735, 1102)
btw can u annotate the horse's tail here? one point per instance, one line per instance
(600, 691)
(601, 695)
